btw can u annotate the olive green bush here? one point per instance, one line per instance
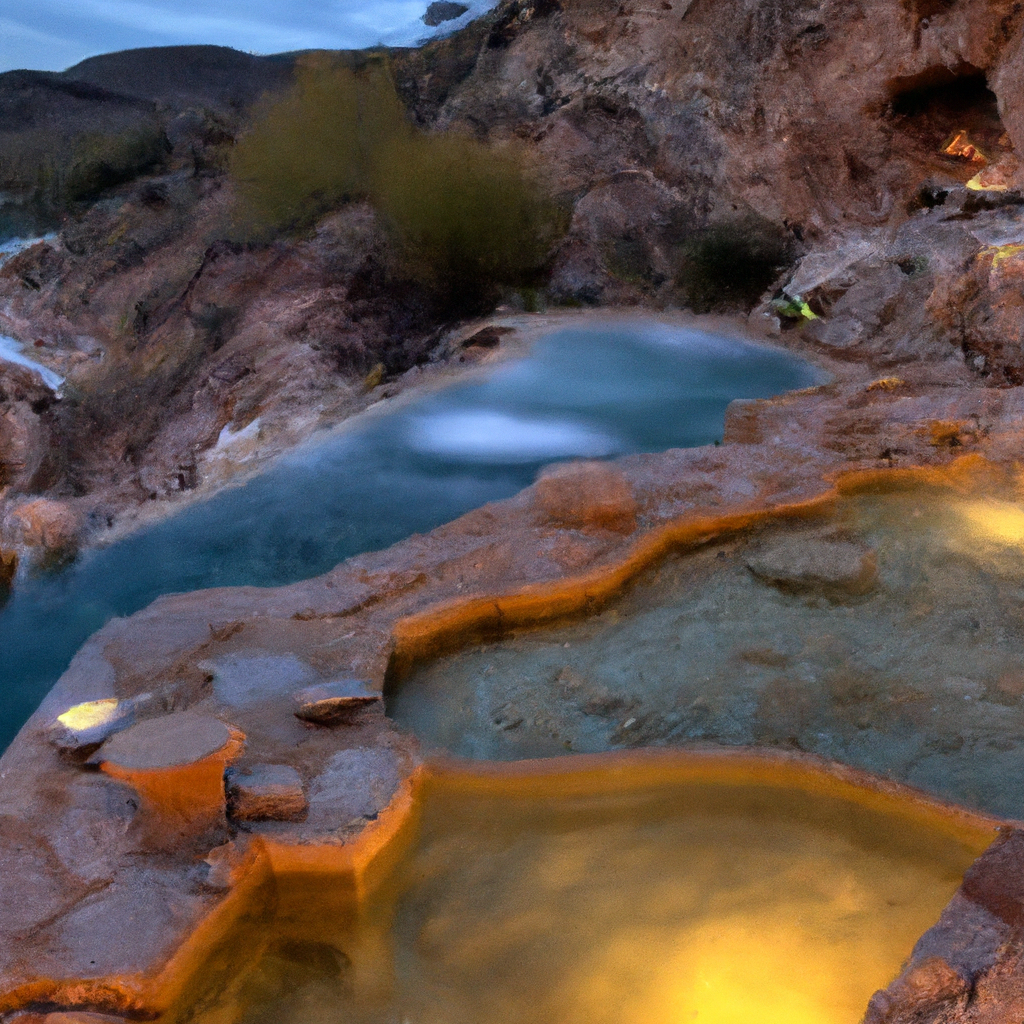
(52, 172)
(732, 263)
(465, 218)
(312, 149)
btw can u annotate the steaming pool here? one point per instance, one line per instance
(579, 393)
(584, 898)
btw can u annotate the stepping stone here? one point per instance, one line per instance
(265, 792)
(89, 724)
(357, 783)
(176, 764)
(334, 703)
(243, 680)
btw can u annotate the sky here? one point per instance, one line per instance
(50, 35)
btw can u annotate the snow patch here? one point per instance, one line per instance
(11, 352)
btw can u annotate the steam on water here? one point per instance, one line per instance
(579, 393)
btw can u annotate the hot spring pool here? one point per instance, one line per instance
(918, 678)
(594, 900)
(589, 393)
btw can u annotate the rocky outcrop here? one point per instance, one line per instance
(242, 657)
(841, 137)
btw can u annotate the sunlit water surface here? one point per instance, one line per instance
(681, 902)
(580, 393)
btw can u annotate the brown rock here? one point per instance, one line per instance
(52, 526)
(8, 569)
(265, 792)
(928, 987)
(995, 881)
(334, 703)
(489, 337)
(587, 494)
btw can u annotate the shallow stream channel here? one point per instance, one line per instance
(591, 392)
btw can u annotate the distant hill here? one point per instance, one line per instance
(184, 76)
(67, 136)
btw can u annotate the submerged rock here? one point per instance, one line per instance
(834, 568)
(265, 792)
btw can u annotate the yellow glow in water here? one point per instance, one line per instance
(999, 522)
(703, 904)
(89, 715)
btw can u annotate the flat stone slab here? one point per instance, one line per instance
(266, 792)
(167, 742)
(334, 703)
(357, 783)
(244, 680)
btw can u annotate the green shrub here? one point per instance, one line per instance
(99, 161)
(50, 172)
(312, 150)
(465, 217)
(733, 263)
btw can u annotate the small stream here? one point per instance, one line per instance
(580, 393)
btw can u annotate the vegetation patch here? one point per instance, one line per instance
(465, 218)
(732, 264)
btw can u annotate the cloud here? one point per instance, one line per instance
(88, 27)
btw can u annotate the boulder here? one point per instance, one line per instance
(579, 495)
(443, 10)
(265, 792)
(51, 526)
